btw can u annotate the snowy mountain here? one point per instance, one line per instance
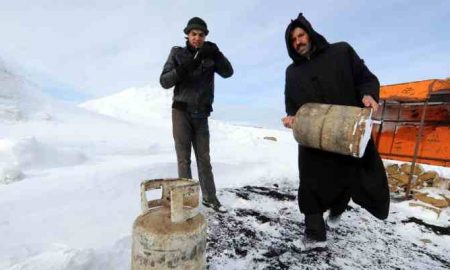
(19, 98)
(146, 105)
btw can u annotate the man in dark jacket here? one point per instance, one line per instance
(331, 74)
(191, 70)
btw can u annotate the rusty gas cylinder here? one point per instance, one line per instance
(335, 128)
(171, 232)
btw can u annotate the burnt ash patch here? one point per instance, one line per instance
(248, 212)
(262, 238)
(430, 227)
(248, 192)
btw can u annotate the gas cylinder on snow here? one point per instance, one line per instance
(171, 232)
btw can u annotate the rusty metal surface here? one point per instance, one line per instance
(333, 128)
(171, 233)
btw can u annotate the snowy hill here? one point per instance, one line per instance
(146, 105)
(151, 106)
(38, 132)
(19, 98)
(69, 192)
(79, 179)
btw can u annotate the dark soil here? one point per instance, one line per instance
(262, 238)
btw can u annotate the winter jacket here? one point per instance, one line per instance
(333, 74)
(194, 92)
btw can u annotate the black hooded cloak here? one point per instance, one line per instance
(334, 74)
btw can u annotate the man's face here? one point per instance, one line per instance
(196, 38)
(300, 41)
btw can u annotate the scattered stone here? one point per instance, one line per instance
(428, 177)
(402, 179)
(441, 203)
(393, 188)
(425, 241)
(436, 210)
(442, 183)
(270, 138)
(399, 177)
(392, 169)
(406, 168)
(447, 198)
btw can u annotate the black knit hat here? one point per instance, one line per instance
(196, 23)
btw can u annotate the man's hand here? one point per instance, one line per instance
(210, 50)
(288, 121)
(368, 101)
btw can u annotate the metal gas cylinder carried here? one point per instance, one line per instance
(335, 128)
(171, 232)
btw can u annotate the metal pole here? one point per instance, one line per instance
(416, 150)
(380, 126)
(396, 126)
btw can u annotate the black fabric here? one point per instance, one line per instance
(334, 74)
(196, 23)
(210, 50)
(315, 227)
(339, 205)
(183, 106)
(193, 87)
(190, 65)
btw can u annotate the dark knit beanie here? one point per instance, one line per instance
(196, 23)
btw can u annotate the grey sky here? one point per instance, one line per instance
(89, 48)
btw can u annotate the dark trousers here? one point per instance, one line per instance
(314, 222)
(187, 132)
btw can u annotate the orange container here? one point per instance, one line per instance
(415, 114)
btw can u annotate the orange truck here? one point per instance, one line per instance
(414, 122)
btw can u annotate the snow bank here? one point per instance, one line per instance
(28, 153)
(10, 173)
(63, 257)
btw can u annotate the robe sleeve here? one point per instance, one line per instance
(366, 83)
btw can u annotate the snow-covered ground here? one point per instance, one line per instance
(69, 190)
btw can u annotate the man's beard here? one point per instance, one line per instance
(304, 49)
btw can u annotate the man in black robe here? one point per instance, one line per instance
(331, 74)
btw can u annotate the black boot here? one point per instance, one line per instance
(215, 205)
(333, 218)
(315, 234)
(315, 227)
